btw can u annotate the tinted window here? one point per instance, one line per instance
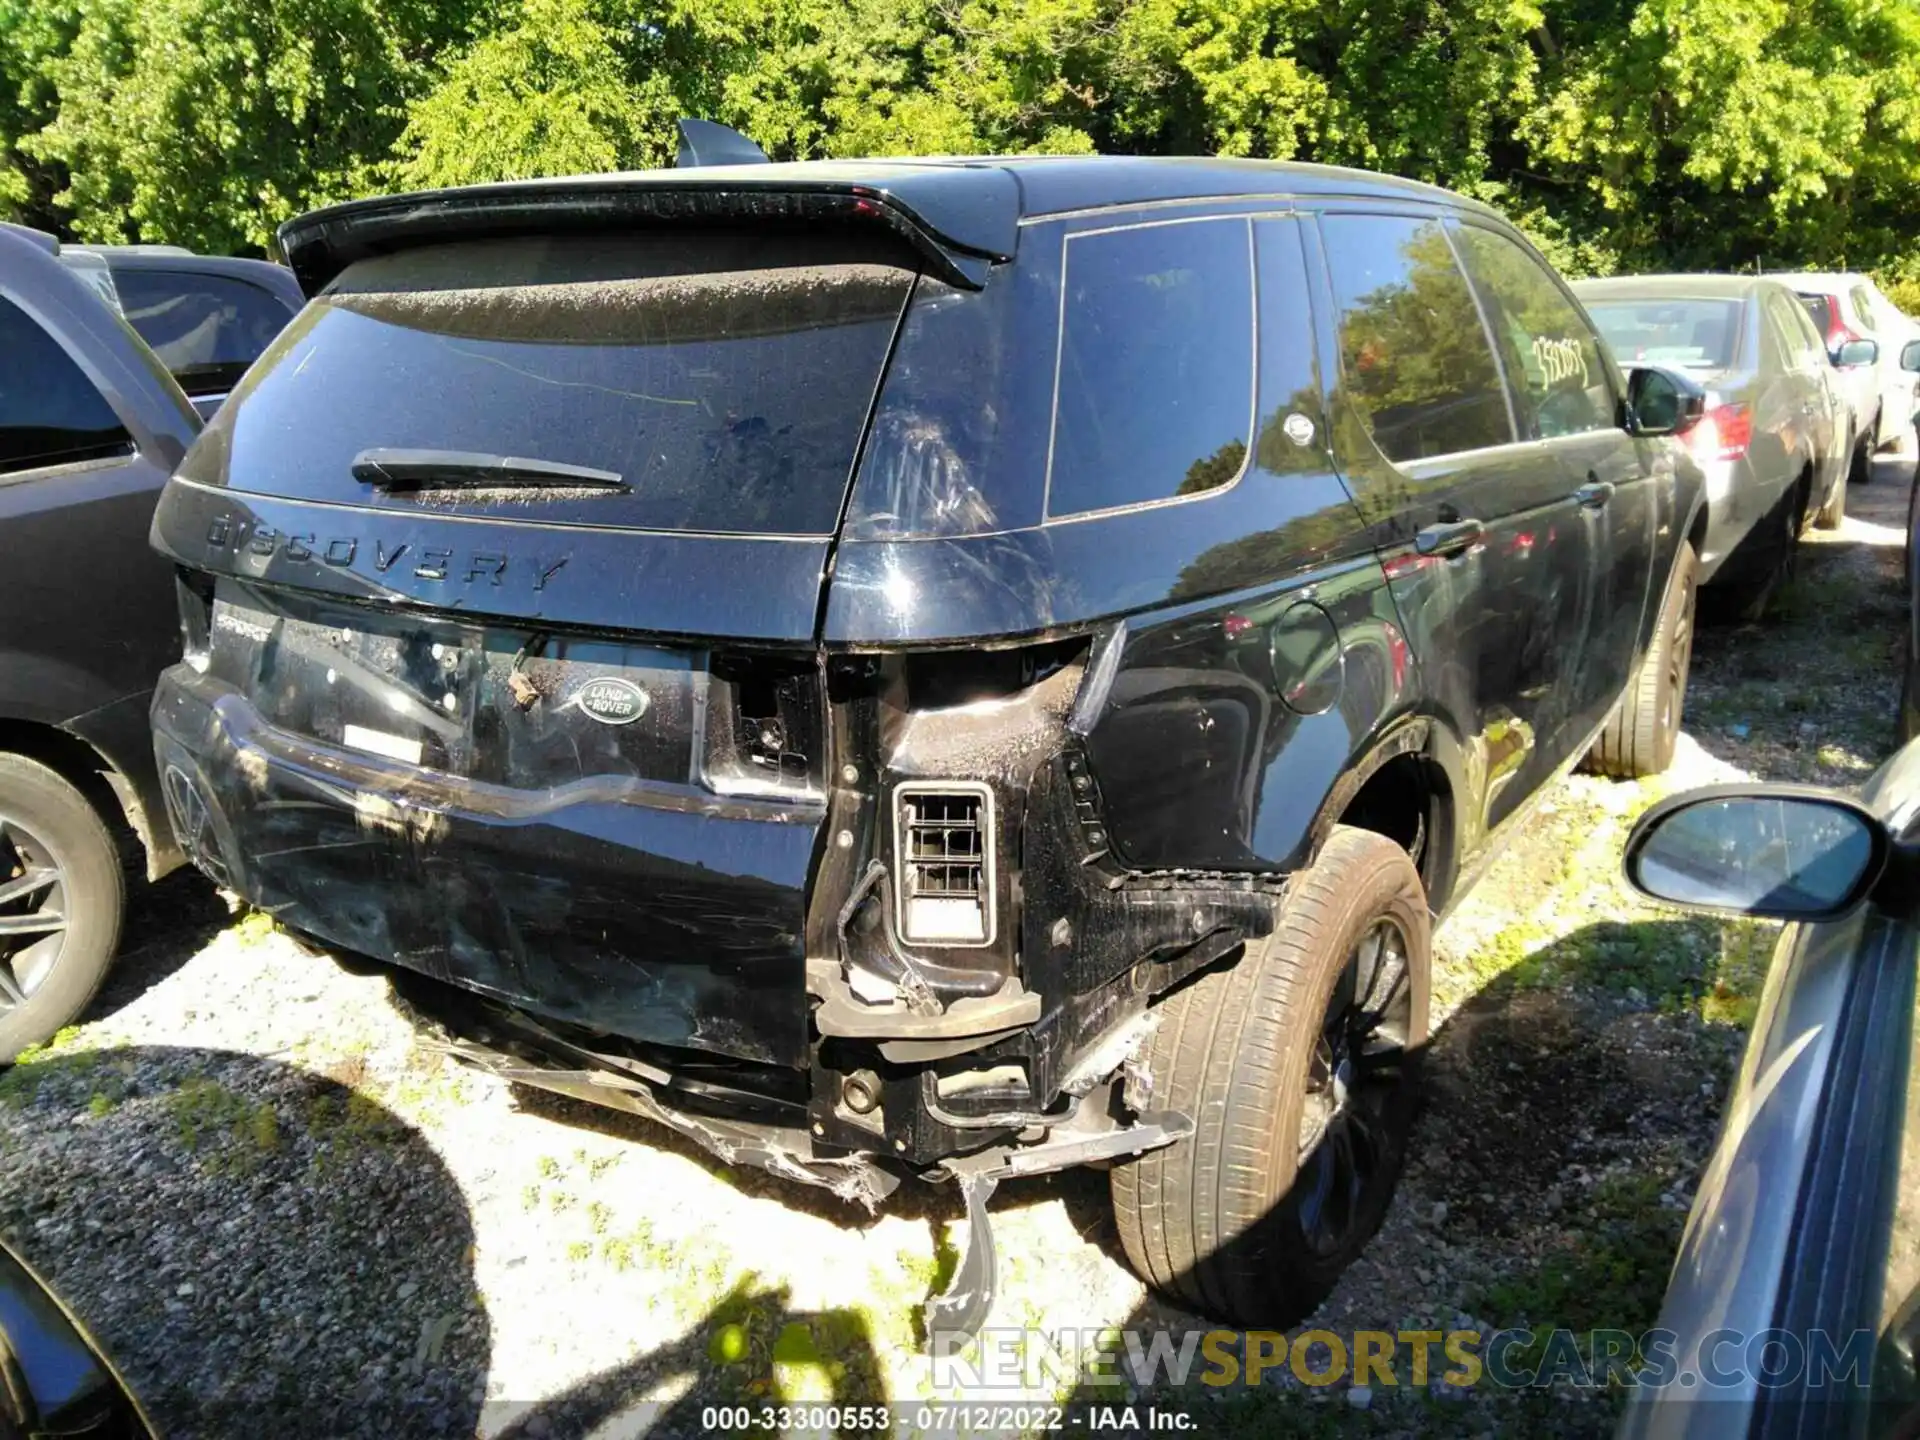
(1820, 310)
(1155, 395)
(1548, 347)
(50, 412)
(725, 379)
(1699, 334)
(206, 329)
(1413, 354)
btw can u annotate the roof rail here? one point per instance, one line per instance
(702, 142)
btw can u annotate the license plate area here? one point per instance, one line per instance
(503, 704)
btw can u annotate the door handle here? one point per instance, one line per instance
(1594, 494)
(1453, 538)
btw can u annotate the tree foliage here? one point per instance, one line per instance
(1622, 133)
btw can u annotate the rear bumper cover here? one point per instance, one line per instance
(644, 910)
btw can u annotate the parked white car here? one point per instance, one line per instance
(1846, 306)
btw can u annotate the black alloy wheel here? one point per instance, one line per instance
(1352, 1079)
(33, 913)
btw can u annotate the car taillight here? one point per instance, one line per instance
(1838, 331)
(1723, 433)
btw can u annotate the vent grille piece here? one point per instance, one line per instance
(944, 841)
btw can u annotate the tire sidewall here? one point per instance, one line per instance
(1384, 891)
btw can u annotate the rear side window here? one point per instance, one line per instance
(1155, 393)
(1551, 354)
(50, 412)
(1414, 355)
(206, 329)
(1796, 330)
(1819, 310)
(1863, 307)
(718, 382)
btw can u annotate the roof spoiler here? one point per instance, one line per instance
(702, 142)
(39, 239)
(958, 219)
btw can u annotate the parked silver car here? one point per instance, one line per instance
(1847, 306)
(1775, 438)
(1794, 1305)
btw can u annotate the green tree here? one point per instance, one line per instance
(555, 92)
(208, 122)
(33, 35)
(1702, 133)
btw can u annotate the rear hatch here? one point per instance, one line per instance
(512, 555)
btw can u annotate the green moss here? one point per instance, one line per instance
(231, 1131)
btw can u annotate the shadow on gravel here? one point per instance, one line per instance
(750, 1350)
(209, 1214)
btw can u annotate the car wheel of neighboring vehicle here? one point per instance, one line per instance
(1297, 1067)
(1782, 553)
(1639, 740)
(1829, 515)
(61, 897)
(1860, 467)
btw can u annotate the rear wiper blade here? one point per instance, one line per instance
(394, 469)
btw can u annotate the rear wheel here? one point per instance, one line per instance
(1297, 1066)
(1777, 566)
(1860, 467)
(1829, 515)
(1639, 741)
(61, 896)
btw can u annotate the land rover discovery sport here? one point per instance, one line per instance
(941, 668)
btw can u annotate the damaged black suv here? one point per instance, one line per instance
(950, 668)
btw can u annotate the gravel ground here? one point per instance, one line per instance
(266, 1200)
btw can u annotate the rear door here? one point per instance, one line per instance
(1567, 400)
(1806, 375)
(1489, 558)
(84, 613)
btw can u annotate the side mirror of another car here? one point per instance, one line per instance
(1856, 352)
(1910, 355)
(1776, 850)
(1662, 401)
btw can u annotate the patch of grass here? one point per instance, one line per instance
(635, 1248)
(548, 1167)
(101, 1105)
(76, 1074)
(530, 1198)
(579, 1250)
(256, 927)
(599, 1217)
(341, 1122)
(1609, 1272)
(237, 1131)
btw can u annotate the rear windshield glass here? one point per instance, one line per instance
(714, 382)
(206, 329)
(1698, 334)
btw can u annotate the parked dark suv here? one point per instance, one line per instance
(955, 667)
(207, 317)
(90, 427)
